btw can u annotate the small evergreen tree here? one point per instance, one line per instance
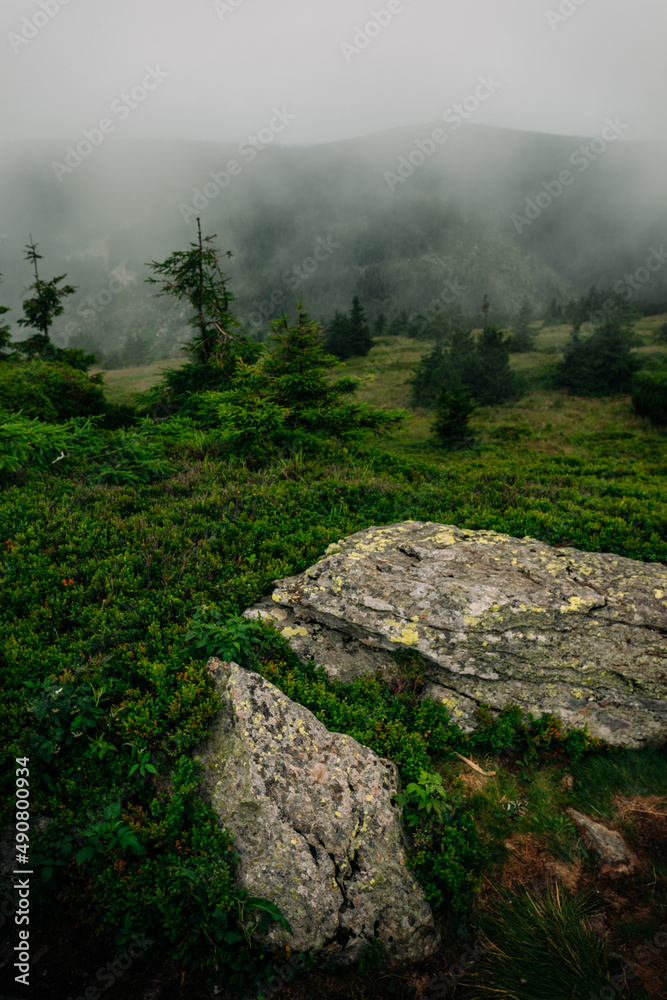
(399, 325)
(5, 332)
(554, 313)
(441, 322)
(453, 408)
(195, 274)
(599, 306)
(338, 335)
(41, 310)
(523, 337)
(486, 306)
(481, 365)
(287, 392)
(349, 336)
(649, 396)
(602, 363)
(380, 325)
(430, 374)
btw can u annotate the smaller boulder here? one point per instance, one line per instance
(315, 829)
(616, 858)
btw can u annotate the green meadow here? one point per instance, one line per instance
(108, 556)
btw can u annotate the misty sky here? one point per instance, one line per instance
(220, 68)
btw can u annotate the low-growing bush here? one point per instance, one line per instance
(33, 443)
(102, 581)
(50, 391)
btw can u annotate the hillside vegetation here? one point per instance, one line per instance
(166, 528)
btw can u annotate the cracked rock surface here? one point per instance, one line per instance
(497, 619)
(315, 829)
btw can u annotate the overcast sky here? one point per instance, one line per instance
(220, 67)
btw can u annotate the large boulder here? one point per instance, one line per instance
(497, 619)
(314, 825)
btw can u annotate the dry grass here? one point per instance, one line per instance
(121, 383)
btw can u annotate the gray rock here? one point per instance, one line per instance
(314, 825)
(615, 857)
(497, 620)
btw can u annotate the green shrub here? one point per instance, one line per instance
(424, 796)
(453, 408)
(50, 391)
(287, 396)
(131, 455)
(649, 396)
(448, 860)
(601, 364)
(178, 391)
(101, 580)
(229, 638)
(480, 365)
(26, 443)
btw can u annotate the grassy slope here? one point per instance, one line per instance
(144, 558)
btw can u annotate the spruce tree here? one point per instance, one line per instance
(481, 366)
(42, 308)
(288, 393)
(602, 363)
(5, 332)
(195, 274)
(338, 336)
(359, 329)
(399, 325)
(349, 336)
(453, 408)
(523, 337)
